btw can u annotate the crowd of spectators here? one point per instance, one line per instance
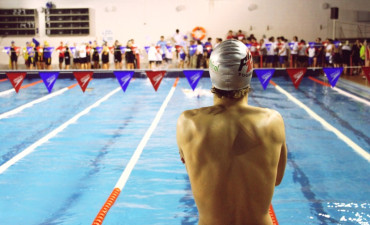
(182, 51)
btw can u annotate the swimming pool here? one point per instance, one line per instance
(67, 179)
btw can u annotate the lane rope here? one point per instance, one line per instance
(53, 133)
(273, 216)
(22, 87)
(30, 104)
(325, 124)
(340, 91)
(131, 164)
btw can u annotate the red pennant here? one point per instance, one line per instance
(296, 75)
(16, 79)
(367, 72)
(155, 78)
(83, 78)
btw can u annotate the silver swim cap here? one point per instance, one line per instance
(230, 66)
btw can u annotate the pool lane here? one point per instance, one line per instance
(66, 180)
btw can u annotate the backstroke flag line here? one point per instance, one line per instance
(264, 75)
(193, 77)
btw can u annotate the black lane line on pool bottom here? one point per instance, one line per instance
(334, 115)
(16, 149)
(74, 197)
(299, 176)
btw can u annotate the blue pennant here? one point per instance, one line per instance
(264, 75)
(333, 74)
(49, 79)
(124, 78)
(193, 77)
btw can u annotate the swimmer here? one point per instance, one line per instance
(235, 154)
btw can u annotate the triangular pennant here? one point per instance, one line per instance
(16, 79)
(367, 72)
(123, 49)
(268, 46)
(291, 45)
(29, 50)
(49, 49)
(155, 78)
(296, 75)
(248, 46)
(124, 78)
(264, 75)
(99, 49)
(192, 49)
(146, 49)
(311, 44)
(333, 74)
(83, 78)
(178, 47)
(169, 48)
(337, 43)
(193, 77)
(6, 49)
(73, 49)
(49, 79)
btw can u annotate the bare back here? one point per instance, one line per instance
(234, 155)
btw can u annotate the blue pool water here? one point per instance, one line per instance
(67, 179)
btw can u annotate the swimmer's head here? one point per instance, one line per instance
(230, 66)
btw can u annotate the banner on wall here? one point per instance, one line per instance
(333, 74)
(49, 79)
(296, 75)
(367, 72)
(264, 75)
(83, 78)
(124, 78)
(155, 78)
(193, 77)
(16, 79)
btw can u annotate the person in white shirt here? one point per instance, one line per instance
(177, 38)
(76, 56)
(311, 52)
(294, 51)
(270, 47)
(169, 54)
(82, 50)
(282, 52)
(329, 52)
(199, 53)
(152, 56)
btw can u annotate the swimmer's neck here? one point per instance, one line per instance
(230, 101)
